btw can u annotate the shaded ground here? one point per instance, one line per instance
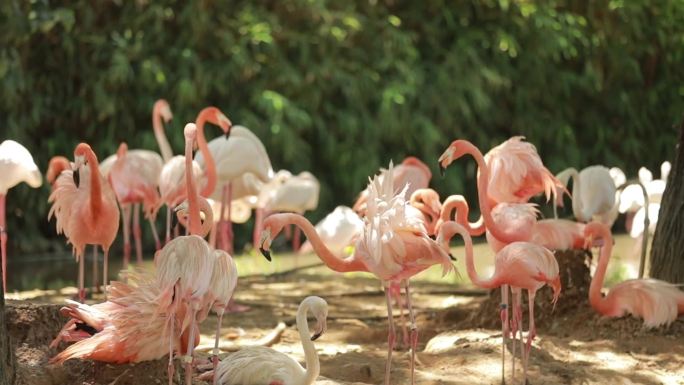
(459, 343)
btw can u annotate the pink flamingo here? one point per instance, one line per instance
(184, 267)
(394, 246)
(427, 201)
(521, 265)
(86, 212)
(512, 222)
(657, 302)
(411, 171)
(16, 166)
(173, 190)
(455, 207)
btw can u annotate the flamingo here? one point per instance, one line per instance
(16, 166)
(656, 302)
(258, 365)
(511, 222)
(393, 246)
(427, 201)
(85, 210)
(521, 265)
(290, 193)
(236, 156)
(184, 267)
(455, 207)
(173, 190)
(411, 171)
(593, 194)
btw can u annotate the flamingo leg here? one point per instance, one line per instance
(414, 331)
(229, 221)
(504, 330)
(390, 335)
(155, 235)
(137, 233)
(515, 327)
(170, 369)
(126, 218)
(297, 240)
(168, 224)
(191, 346)
(531, 333)
(212, 235)
(96, 287)
(402, 319)
(214, 356)
(222, 223)
(105, 277)
(3, 241)
(81, 276)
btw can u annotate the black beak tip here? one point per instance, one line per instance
(452, 257)
(266, 253)
(227, 135)
(316, 336)
(441, 170)
(77, 178)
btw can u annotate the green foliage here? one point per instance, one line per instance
(341, 87)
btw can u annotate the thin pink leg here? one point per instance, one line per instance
(400, 302)
(170, 369)
(531, 333)
(391, 337)
(212, 235)
(515, 327)
(414, 332)
(504, 330)
(191, 345)
(168, 224)
(229, 221)
(81, 276)
(155, 235)
(137, 233)
(223, 237)
(214, 355)
(96, 287)
(105, 277)
(126, 218)
(3, 241)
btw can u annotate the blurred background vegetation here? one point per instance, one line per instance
(341, 87)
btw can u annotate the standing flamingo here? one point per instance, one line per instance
(657, 302)
(593, 194)
(521, 265)
(171, 181)
(235, 156)
(184, 267)
(411, 171)
(258, 365)
(16, 166)
(394, 246)
(86, 210)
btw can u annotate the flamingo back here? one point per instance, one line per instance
(516, 172)
(188, 261)
(223, 278)
(135, 177)
(16, 166)
(657, 302)
(558, 234)
(258, 365)
(172, 187)
(528, 266)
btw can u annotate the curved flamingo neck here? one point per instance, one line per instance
(193, 206)
(159, 134)
(330, 259)
(602, 305)
(313, 366)
(210, 165)
(460, 205)
(55, 168)
(446, 232)
(482, 190)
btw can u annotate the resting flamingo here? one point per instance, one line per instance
(337, 231)
(258, 365)
(511, 222)
(171, 181)
(16, 166)
(656, 302)
(394, 246)
(241, 153)
(593, 194)
(520, 265)
(184, 267)
(411, 171)
(85, 210)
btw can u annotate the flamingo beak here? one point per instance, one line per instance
(451, 256)
(266, 240)
(441, 169)
(321, 327)
(77, 178)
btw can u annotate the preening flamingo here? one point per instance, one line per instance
(86, 210)
(16, 166)
(394, 246)
(240, 154)
(513, 222)
(657, 302)
(411, 171)
(427, 201)
(258, 365)
(593, 194)
(184, 267)
(520, 265)
(172, 187)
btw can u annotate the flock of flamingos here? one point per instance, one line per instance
(398, 227)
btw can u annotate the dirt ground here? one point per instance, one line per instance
(459, 338)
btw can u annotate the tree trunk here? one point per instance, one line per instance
(6, 359)
(667, 254)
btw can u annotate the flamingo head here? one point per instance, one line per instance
(427, 201)
(456, 149)
(55, 167)
(161, 107)
(214, 116)
(319, 309)
(272, 226)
